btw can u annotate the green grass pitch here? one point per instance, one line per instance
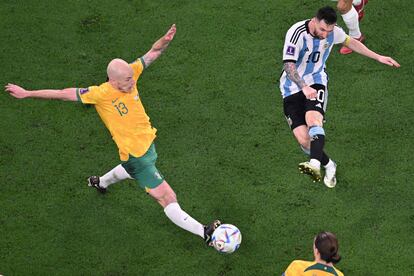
(223, 143)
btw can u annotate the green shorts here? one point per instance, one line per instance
(143, 169)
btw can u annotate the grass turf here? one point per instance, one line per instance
(223, 143)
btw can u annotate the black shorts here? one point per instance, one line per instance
(295, 106)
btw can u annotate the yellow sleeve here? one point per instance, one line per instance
(138, 66)
(90, 95)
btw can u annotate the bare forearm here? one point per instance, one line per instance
(68, 94)
(361, 49)
(159, 46)
(156, 50)
(293, 75)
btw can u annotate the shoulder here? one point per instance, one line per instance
(102, 90)
(299, 263)
(97, 88)
(338, 29)
(138, 66)
(297, 25)
(296, 31)
(339, 35)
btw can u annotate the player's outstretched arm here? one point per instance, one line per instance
(68, 94)
(159, 46)
(360, 48)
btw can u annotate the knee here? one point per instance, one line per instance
(170, 197)
(344, 6)
(163, 193)
(166, 198)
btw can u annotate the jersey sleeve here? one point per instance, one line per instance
(339, 35)
(293, 44)
(90, 95)
(138, 66)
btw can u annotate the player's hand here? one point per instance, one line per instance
(16, 91)
(309, 92)
(170, 34)
(388, 61)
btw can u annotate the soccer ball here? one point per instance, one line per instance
(226, 238)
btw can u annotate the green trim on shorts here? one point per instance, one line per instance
(143, 169)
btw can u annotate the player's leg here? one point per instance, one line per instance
(330, 174)
(359, 6)
(294, 107)
(113, 176)
(312, 167)
(166, 197)
(144, 171)
(301, 134)
(314, 117)
(350, 17)
(294, 110)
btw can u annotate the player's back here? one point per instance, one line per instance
(306, 268)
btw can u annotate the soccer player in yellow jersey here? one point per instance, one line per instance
(325, 251)
(118, 103)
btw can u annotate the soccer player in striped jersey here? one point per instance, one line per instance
(119, 105)
(304, 83)
(325, 251)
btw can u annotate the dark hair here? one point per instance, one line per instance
(327, 245)
(328, 14)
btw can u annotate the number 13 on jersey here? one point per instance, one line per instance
(121, 108)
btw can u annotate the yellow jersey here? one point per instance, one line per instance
(123, 114)
(305, 268)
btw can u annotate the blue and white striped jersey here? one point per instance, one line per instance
(310, 55)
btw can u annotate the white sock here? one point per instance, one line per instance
(316, 163)
(330, 164)
(183, 220)
(351, 21)
(115, 175)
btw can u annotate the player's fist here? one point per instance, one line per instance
(171, 32)
(309, 92)
(16, 91)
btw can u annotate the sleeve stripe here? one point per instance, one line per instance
(77, 95)
(143, 62)
(297, 33)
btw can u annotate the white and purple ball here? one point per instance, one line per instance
(226, 238)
